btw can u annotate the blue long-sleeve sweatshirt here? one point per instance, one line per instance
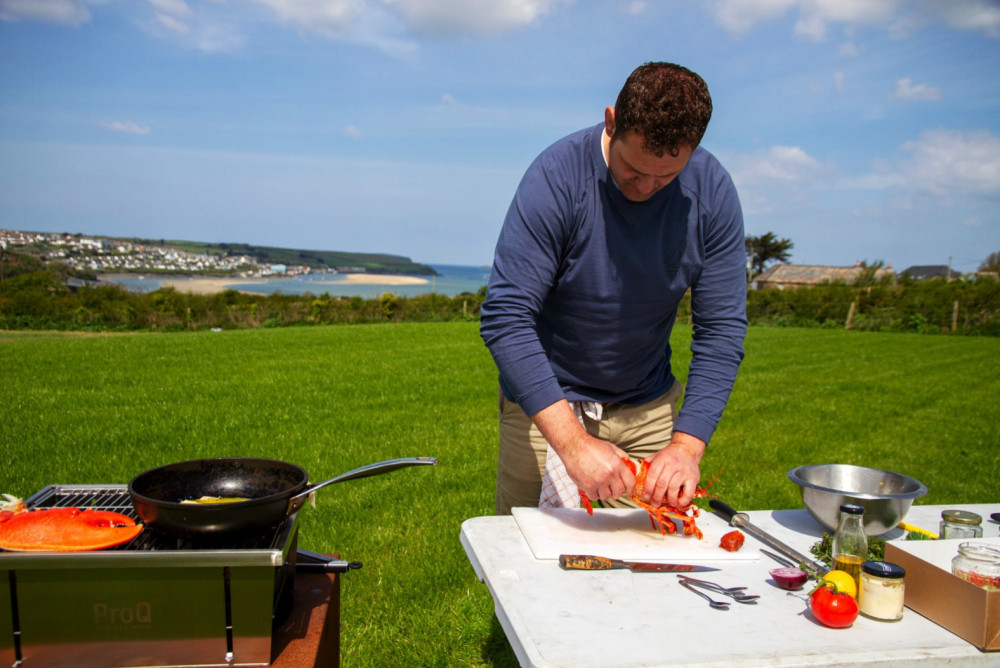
(585, 285)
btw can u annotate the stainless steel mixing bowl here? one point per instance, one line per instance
(885, 496)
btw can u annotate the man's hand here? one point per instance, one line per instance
(596, 466)
(674, 472)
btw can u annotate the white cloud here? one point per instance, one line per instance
(65, 12)
(216, 37)
(330, 17)
(390, 24)
(740, 16)
(365, 22)
(171, 7)
(378, 23)
(172, 15)
(850, 50)
(635, 7)
(838, 81)
(976, 15)
(907, 90)
(778, 164)
(944, 163)
(468, 115)
(952, 162)
(126, 127)
(815, 18)
(352, 131)
(208, 27)
(173, 24)
(451, 18)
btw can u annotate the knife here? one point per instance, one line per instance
(587, 562)
(742, 521)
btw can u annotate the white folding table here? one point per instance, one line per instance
(618, 618)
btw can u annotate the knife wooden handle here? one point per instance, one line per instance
(586, 562)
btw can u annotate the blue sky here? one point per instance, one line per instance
(859, 129)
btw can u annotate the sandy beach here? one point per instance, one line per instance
(207, 286)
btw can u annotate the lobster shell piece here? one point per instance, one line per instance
(66, 530)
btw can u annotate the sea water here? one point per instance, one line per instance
(451, 281)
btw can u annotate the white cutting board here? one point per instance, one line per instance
(622, 534)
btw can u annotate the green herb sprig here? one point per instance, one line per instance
(823, 550)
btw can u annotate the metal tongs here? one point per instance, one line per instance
(735, 593)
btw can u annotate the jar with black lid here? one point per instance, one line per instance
(880, 595)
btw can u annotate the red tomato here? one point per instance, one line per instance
(833, 609)
(732, 541)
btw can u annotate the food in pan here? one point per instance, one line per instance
(216, 499)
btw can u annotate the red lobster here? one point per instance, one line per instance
(662, 516)
(62, 529)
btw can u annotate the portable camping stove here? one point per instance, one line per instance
(156, 601)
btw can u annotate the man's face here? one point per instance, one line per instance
(639, 174)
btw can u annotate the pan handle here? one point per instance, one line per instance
(296, 501)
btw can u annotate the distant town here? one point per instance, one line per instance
(103, 255)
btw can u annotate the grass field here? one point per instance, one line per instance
(100, 408)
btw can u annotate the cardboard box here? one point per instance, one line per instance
(968, 611)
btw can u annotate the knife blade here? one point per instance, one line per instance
(588, 562)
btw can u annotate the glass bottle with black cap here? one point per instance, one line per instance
(850, 544)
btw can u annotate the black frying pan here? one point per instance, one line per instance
(273, 489)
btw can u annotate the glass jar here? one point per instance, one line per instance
(960, 524)
(978, 564)
(881, 593)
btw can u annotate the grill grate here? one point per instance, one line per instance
(116, 498)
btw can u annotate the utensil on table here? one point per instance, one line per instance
(742, 521)
(587, 562)
(709, 583)
(749, 599)
(718, 605)
(735, 593)
(780, 559)
(269, 491)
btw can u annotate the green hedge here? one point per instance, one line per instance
(928, 307)
(40, 300)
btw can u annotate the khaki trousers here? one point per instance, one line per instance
(641, 431)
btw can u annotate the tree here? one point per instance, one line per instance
(766, 248)
(991, 263)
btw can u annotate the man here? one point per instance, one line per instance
(608, 229)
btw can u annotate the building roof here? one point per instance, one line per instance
(923, 272)
(806, 274)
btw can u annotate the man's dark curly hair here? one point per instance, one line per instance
(668, 105)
